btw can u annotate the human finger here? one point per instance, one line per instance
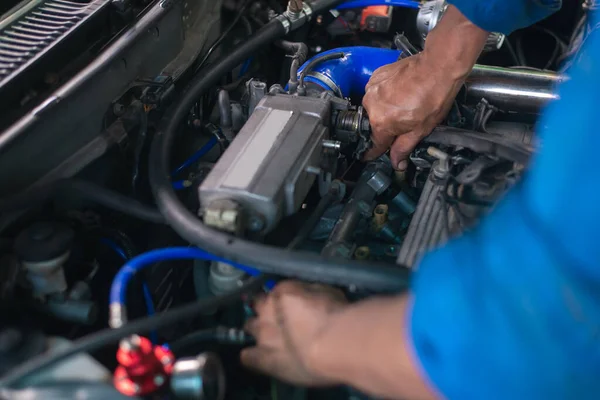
(380, 144)
(260, 359)
(401, 148)
(260, 303)
(266, 334)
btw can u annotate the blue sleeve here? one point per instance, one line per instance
(511, 310)
(506, 16)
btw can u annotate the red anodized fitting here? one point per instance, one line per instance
(143, 367)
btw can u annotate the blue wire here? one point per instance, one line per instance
(180, 185)
(196, 156)
(149, 303)
(369, 3)
(118, 289)
(245, 67)
(115, 247)
(150, 310)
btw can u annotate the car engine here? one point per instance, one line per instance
(163, 161)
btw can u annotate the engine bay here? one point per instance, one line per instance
(195, 155)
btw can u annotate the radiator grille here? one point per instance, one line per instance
(37, 27)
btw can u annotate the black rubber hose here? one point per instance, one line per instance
(315, 61)
(302, 265)
(193, 339)
(299, 52)
(319, 6)
(221, 335)
(115, 201)
(109, 336)
(84, 190)
(225, 33)
(225, 115)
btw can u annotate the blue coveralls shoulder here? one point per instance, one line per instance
(511, 310)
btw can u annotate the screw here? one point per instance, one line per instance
(332, 144)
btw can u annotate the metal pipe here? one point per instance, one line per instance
(512, 89)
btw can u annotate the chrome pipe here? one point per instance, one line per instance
(512, 89)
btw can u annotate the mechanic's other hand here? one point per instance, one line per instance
(289, 321)
(405, 101)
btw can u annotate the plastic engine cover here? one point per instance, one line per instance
(273, 161)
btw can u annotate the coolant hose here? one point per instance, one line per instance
(299, 52)
(370, 3)
(268, 259)
(347, 76)
(118, 290)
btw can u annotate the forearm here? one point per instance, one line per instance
(367, 346)
(454, 45)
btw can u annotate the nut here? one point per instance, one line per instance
(362, 253)
(380, 216)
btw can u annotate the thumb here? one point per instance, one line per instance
(401, 149)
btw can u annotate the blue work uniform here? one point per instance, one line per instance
(511, 309)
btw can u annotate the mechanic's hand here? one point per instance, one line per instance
(405, 101)
(289, 321)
